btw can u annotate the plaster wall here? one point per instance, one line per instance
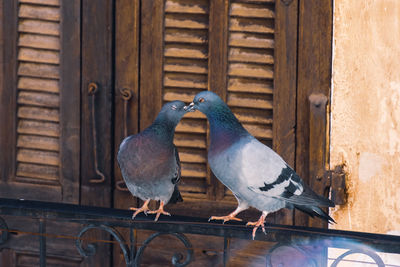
(365, 113)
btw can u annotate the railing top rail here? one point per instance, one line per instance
(193, 225)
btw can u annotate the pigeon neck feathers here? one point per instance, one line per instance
(163, 128)
(225, 128)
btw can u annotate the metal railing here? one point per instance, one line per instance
(107, 220)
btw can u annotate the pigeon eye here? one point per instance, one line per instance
(201, 100)
(173, 107)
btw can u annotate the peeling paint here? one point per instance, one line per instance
(365, 118)
(370, 164)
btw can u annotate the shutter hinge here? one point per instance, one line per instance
(336, 179)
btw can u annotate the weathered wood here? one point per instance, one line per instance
(251, 70)
(259, 131)
(70, 79)
(193, 170)
(259, 1)
(186, 21)
(96, 111)
(42, 2)
(38, 171)
(39, 12)
(190, 140)
(45, 85)
(39, 41)
(39, 56)
(42, 192)
(36, 113)
(8, 80)
(38, 99)
(187, 155)
(187, 6)
(251, 10)
(314, 76)
(151, 69)
(38, 128)
(253, 40)
(185, 51)
(192, 186)
(36, 156)
(185, 65)
(185, 80)
(251, 56)
(195, 115)
(185, 36)
(251, 25)
(127, 26)
(256, 85)
(217, 76)
(284, 102)
(193, 126)
(171, 95)
(39, 27)
(38, 70)
(250, 100)
(38, 142)
(253, 115)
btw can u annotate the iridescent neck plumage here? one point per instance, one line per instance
(163, 129)
(225, 129)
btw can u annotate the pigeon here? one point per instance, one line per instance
(257, 176)
(149, 161)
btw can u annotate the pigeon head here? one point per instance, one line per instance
(172, 112)
(223, 123)
(206, 102)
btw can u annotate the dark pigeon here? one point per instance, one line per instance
(149, 161)
(257, 176)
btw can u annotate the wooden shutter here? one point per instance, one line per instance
(188, 46)
(227, 47)
(44, 133)
(185, 73)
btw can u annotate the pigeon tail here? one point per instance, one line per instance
(315, 211)
(309, 197)
(176, 196)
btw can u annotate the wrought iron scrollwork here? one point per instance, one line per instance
(378, 260)
(312, 262)
(177, 258)
(4, 233)
(90, 250)
(131, 259)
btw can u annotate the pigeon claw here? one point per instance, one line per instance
(139, 210)
(257, 224)
(159, 211)
(144, 208)
(225, 218)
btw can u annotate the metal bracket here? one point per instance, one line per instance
(336, 179)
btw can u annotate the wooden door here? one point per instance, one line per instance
(40, 132)
(185, 47)
(246, 51)
(51, 125)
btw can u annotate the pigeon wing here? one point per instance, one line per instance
(272, 177)
(267, 173)
(177, 175)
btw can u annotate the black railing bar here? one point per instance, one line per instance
(185, 224)
(226, 250)
(275, 233)
(42, 243)
(95, 240)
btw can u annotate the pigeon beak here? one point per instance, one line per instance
(191, 107)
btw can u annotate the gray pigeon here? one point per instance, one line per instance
(149, 161)
(256, 175)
